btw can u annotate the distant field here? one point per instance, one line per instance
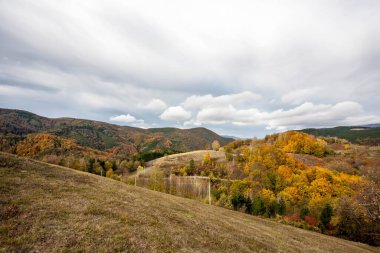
(182, 159)
(47, 208)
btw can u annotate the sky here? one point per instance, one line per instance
(240, 68)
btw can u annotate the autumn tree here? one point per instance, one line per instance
(109, 173)
(207, 159)
(98, 168)
(123, 167)
(238, 191)
(215, 145)
(108, 165)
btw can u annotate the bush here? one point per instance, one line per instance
(310, 220)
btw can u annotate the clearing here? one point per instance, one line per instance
(167, 163)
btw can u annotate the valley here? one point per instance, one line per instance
(292, 178)
(48, 208)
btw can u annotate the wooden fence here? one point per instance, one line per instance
(194, 187)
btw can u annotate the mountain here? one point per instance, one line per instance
(366, 134)
(231, 137)
(371, 125)
(48, 208)
(15, 125)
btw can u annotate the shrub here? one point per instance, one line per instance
(310, 220)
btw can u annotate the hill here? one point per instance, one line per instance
(16, 124)
(365, 135)
(291, 176)
(47, 208)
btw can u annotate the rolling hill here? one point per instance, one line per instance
(15, 125)
(48, 208)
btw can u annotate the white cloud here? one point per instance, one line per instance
(154, 105)
(176, 113)
(124, 118)
(197, 101)
(305, 115)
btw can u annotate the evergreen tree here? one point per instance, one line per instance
(281, 208)
(272, 209)
(258, 207)
(248, 205)
(90, 165)
(326, 214)
(237, 201)
(304, 212)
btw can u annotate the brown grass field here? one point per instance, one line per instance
(47, 208)
(176, 161)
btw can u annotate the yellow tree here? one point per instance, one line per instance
(215, 145)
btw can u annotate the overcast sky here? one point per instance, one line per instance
(242, 68)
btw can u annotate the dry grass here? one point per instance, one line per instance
(179, 160)
(46, 208)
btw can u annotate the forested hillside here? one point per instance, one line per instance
(102, 136)
(327, 185)
(91, 145)
(366, 135)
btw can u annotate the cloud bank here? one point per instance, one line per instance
(243, 68)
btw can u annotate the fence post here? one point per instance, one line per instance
(209, 191)
(170, 184)
(195, 187)
(155, 180)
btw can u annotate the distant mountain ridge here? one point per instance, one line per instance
(360, 134)
(15, 125)
(371, 125)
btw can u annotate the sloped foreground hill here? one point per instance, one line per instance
(47, 208)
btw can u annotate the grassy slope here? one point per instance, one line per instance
(48, 208)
